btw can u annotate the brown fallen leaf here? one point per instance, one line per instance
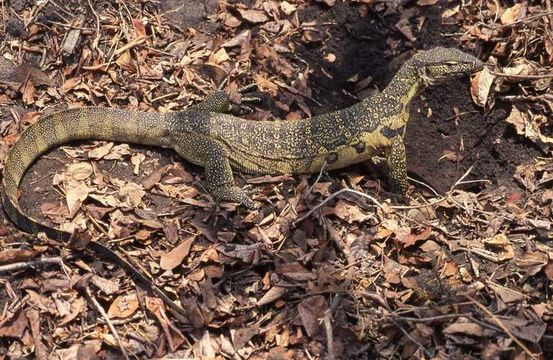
(273, 293)
(548, 269)
(480, 86)
(463, 326)
(28, 92)
(426, 2)
(311, 311)
(287, 8)
(242, 336)
(174, 258)
(118, 151)
(131, 194)
(501, 243)
(80, 171)
(511, 15)
(412, 239)
(123, 306)
(348, 212)
(100, 151)
(173, 335)
(74, 197)
(76, 308)
(15, 326)
(295, 271)
(253, 16)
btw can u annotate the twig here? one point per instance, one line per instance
(86, 291)
(522, 76)
(427, 319)
(139, 40)
(514, 98)
(316, 180)
(518, 21)
(43, 261)
(503, 327)
(425, 185)
(96, 40)
(414, 341)
(447, 195)
(548, 8)
(328, 328)
(339, 192)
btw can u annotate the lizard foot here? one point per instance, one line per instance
(232, 194)
(245, 104)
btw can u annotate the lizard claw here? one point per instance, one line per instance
(233, 194)
(244, 107)
(248, 88)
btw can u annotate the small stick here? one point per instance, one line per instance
(503, 327)
(413, 340)
(92, 299)
(316, 180)
(130, 45)
(376, 202)
(522, 76)
(43, 261)
(328, 328)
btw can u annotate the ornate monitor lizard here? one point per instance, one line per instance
(206, 136)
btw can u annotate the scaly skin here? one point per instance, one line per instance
(220, 142)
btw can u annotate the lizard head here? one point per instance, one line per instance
(439, 64)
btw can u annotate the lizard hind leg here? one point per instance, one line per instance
(213, 156)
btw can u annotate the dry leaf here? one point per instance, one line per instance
(136, 160)
(125, 62)
(450, 12)
(118, 151)
(100, 151)
(253, 16)
(123, 306)
(502, 243)
(451, 156)
(74, 198)
(15, 326)
(426, 2)
(530, 127)
(464, 327)
(174, 258)
(480, 87)
(548, 269)
(349, 213)
(80, 171)
(287, 8)
(131, 194)
(511, 14)
(311, 311)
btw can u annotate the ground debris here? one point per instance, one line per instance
(319, 270)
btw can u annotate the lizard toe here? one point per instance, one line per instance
(233, 194)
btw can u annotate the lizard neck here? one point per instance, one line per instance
(405, 85)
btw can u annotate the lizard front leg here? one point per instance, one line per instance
(397, 165)
(214, 157)
(219, 101)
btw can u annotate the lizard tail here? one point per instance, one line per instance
(66, 126)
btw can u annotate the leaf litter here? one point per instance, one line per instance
(467, 272)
